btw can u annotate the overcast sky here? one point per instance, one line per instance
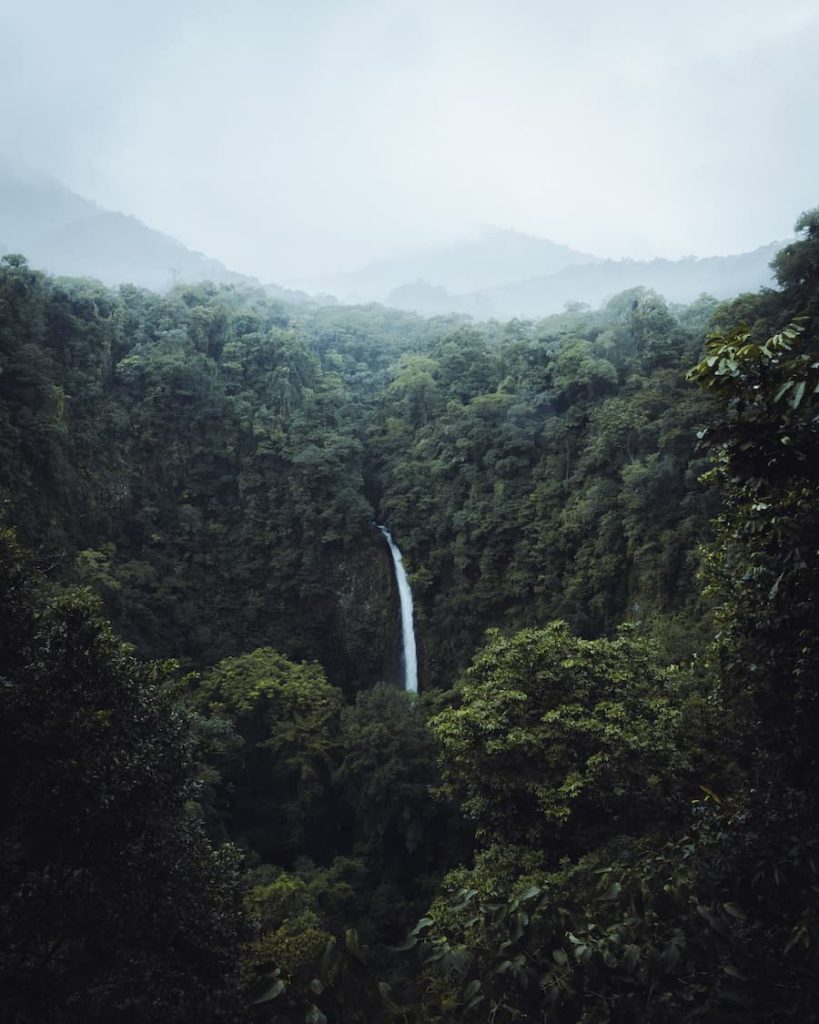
(291, 138)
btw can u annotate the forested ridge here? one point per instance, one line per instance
(220, 805)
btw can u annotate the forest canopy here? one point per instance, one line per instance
(221, 806)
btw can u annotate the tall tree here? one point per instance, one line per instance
(114, 906)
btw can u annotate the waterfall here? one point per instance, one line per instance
(407, 631)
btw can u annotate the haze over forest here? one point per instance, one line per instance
(291, 141)
(498, 274)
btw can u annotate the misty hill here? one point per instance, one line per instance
(496, 257)
(499, 274)
(593, 283)
(63, 233)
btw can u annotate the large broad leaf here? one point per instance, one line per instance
(351, 942)
(530, 893)
(797, 395)
(271, 992)
(472, 990)
(423, 924)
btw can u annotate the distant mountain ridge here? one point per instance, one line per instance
(66, 234)
(505, 274)
(680, 280)
(593, 283)
(496, 257)
(499, 274)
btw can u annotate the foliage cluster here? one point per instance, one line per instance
(594, 821)
(716, 917)
(114, 905)
(211, 464)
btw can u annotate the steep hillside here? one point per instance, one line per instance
(64, 233)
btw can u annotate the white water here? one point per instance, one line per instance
(407, 631)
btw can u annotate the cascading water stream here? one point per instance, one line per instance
(407, 630)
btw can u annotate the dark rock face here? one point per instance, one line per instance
(364, 643)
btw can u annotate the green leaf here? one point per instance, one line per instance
(471, 990)
(351, 942)
(270, 993)
(386, 995)
(530, 893)
(326, 958)
(632, 957)
(435, 954)
(519, 922)
(467, 895)
(798, 394)
(423, 924)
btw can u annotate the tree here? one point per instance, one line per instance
(414, 382)
(114, 905)
(764, 566)
(387, 773)
(560, 742)
(288, 718)
(797, 267)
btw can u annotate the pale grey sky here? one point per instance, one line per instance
(292, 138)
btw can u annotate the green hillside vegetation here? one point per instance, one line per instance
(212, 464)
(602, 807)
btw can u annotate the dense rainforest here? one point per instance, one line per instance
(221, 806)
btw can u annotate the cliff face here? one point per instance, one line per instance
(363, 645)
(351, 625)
